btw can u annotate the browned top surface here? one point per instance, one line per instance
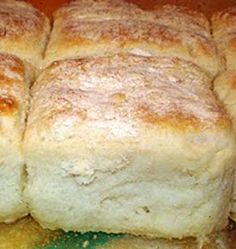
(125, 90)
(208, 6)
(17, 19)
(11, 86)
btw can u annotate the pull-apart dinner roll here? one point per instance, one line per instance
(225, 87)
(105, 27)
(224, 30)
(15, 79)
(98, 10)
(182, 18)
(23, 31)
(128, 144)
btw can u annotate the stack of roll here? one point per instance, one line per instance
(122, 131)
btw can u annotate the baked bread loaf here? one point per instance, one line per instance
(23, 31)
(182, 18)
(224, 30)
(105, 27)
(15, 79)
(178, 17)
(128, 144)
(225, 87)
(100, 10)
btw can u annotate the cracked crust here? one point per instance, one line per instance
(23, 31)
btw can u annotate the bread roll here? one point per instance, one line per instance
(82, 30)
(23, 31)
(14, 85)
(175, 16)
(100, 10)
(128, 144)
(225, 87)
(224, 30)
(182, 18)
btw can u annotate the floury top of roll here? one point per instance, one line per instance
(224, 31)
(24, 31)
(96, 28)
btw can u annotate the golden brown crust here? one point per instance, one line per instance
(224, 21)
(182, 18)
(15, 77)
(101, 10)
(133, 89)
(225, 87)
(126, 30)
(23, 31)
(137, 37)
(7, 105)
(224, 30)
(16, 19)
(82, 32)
(11, 82)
